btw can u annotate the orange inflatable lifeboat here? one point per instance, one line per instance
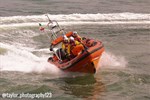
(86, 59)
(86, 55)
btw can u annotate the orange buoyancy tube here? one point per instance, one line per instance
(60, 39)
(55, 58)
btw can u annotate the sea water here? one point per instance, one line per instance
(122, 26)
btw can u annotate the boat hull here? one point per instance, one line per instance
(87, 62)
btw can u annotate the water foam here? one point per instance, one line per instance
(21, 59)
(35, 24)
(74, 19)
(109, 60)
(77, 17)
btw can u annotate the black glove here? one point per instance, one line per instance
(51, 48)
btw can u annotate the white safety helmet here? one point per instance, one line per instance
(65, 37)
(71, 38)
(74, 32)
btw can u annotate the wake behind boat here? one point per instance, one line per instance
(71, 52)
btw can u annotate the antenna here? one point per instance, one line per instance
(50, 21)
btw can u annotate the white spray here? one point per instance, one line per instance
(21, 59)
(109, 60)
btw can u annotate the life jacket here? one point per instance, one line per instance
(65, 44)
(77, 49)
(66, 47)
(77, 38)
(72, 44)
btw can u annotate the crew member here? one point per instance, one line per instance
(73, 42)
(76, 36)
(79, 39)
(75, 47)
(66, 45)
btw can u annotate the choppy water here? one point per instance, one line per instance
(122, 26)
(34, 7)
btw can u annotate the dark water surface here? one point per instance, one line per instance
(34, 7)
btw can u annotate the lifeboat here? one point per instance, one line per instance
(88, 54)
